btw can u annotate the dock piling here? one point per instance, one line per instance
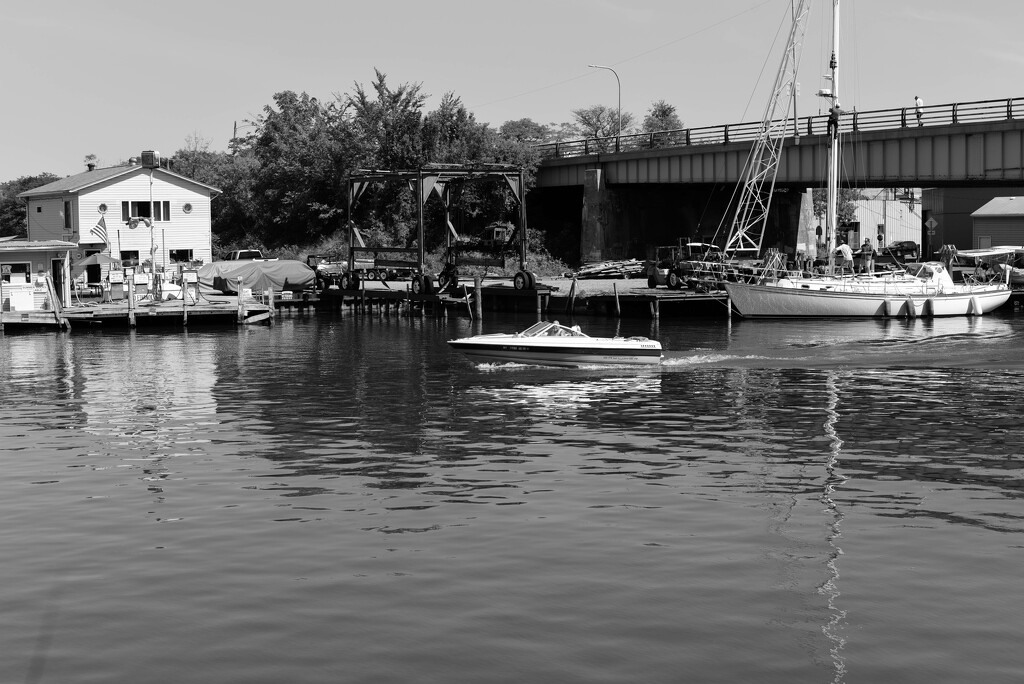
(478, 297)
(131, 300)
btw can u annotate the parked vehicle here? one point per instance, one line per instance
(332, 269)
(902, 249)
(684, 264)
(245, 255)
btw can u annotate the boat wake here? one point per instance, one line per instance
(705, 359)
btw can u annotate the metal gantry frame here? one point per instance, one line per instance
(747, 231)
(423, 181)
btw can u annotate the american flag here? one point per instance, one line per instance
(100, 231)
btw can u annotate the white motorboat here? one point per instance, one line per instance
(549, 343)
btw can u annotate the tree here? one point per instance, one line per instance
(13, 221)
(661, 117)
(599, 121)
(388, 126)
(846, 206)
(304, 150)
(524, 130)
(451, 134)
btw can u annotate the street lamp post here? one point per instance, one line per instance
(618, 130)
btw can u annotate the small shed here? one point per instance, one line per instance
(1000, 221)
(24, 265)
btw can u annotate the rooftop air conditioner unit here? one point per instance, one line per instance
(150, 159)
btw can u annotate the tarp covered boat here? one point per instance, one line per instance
(279, 274)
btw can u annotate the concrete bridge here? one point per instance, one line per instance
(621, 189)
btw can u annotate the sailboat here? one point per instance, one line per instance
(928, 290)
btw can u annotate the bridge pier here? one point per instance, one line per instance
(596, 233)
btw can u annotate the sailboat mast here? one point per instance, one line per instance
(832, 189)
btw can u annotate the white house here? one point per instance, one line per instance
(144, 216)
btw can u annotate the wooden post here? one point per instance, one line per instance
(570, 306)
(1, 305)
(540, 311)
(184, 301)
(241, 305)
(131, 300)
(478, 293)
(270, 303)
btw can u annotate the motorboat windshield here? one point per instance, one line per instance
(552, 329)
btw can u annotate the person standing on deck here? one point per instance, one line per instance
(867, 257)
(845, 258)
(918, 104)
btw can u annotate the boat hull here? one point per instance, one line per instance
(773, 301)
(480, 349)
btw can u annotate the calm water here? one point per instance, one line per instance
(344, 499)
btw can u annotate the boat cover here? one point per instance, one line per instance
(280, 274)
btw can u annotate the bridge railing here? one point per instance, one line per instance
(850, 122)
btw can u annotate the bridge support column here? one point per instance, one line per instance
(597, 218)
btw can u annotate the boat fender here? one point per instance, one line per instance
(911, 311)
(892, 307)
(786, 282)
(976, 309)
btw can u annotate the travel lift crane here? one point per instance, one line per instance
(437, 179)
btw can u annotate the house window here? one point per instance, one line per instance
(67, 216)
(16, 273)
(129, 258)
(178, 256)
(157, 211)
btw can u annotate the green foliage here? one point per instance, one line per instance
(390, 125)
(524, 131)
(13, 221)
(304, 150)
(599, 121)
(661, 117)
(846, 206)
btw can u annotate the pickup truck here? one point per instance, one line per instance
(245, 255)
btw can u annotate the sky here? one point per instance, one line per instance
(112, 78)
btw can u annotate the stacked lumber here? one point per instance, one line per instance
(628, 268)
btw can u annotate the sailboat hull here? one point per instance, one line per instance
(774, 301)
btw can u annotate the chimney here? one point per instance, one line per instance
(90, 166)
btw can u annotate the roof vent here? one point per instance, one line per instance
(90, 166)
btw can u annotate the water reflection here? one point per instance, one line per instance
(834, 478)
(958, 341)
(566, 397)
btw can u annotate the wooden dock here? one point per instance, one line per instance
(473, 299)
(222, 309)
